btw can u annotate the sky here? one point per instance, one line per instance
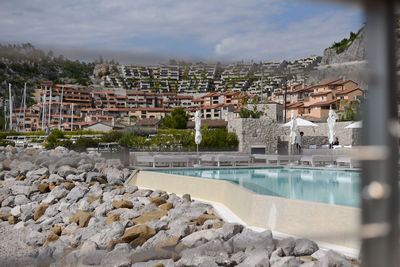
(153, 31)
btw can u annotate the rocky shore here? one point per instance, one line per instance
(64, 208)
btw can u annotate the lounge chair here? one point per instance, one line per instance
(266, 158)
(242, 158)
(345, 160)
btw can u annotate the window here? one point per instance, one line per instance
(322, 98)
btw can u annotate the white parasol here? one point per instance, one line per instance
(197, 124)
(357, 124)
(293, 128)
(331, 125)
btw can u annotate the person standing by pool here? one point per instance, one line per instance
(298, 142)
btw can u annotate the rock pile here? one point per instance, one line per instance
(74, 210)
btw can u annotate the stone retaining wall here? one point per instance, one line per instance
(266, 133)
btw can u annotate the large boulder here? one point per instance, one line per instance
(135, 236)
(81, 218)
(58, 192)
(249, 238)
(39, 211)
(122, 204)
(203, 235)
(66, 170)
(114, 176)
(304, 247)
(333, 258)
(149, 216)
(76, 194)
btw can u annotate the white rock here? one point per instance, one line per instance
(16, 211)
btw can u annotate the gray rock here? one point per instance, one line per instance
(177, 229)
(85, 167)
(208, 235)
(68, 161)
(151, 263)
(37, 173)
(34, 238)
(276, 256)
(76, 193)
(287, 245)
(114, 176)
(111, 232)
(334, 259)
(103, 208)
(55, 178)
(74, 178)
(130, 189)
(319, 254)
(142, 193)
(44, 257)
(187, 197)
(95, 190)
(194, 260)
(64, 171)
(238, 258)
(21, 200)
(8, 202)
(228, 230)
(26, 166)
(114, 163)
(304, 247)
(93, 176)
(158, 225)
(288, 261)
(93, 257)
(5, 210)
(27, 215)
(22, 190)
(16, 211)
(311, 264)
(213, 248)
(249, 238)
(257, 257)
(58, 192)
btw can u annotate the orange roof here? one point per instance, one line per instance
(324, 103)
(295, 105)
(322, 93)
(327, 82)
(347, 91)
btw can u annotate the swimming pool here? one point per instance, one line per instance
(338, 187)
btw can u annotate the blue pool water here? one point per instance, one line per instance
(328, 186)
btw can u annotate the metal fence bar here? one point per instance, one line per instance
(380, 203)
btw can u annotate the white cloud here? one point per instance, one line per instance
(228, 29)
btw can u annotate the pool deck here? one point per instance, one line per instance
(326, 223)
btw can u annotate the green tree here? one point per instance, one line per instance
(177, 120)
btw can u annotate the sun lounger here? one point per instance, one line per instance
(242, 158)
(288, 158)
(345, 160)
(323, 159)
(308, 159)
(266, 158)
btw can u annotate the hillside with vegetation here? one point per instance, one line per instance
(23, 63)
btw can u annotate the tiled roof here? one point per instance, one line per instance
(322, 93)
(347, 91)
(323, 103)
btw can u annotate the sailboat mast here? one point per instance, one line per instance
(49, 120)
(61, 106)
(72, 117)
(44, 108)
(10, 102)
(262, 81)
(24, 100)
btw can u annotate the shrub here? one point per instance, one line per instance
(85, 142)
(111, 136)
